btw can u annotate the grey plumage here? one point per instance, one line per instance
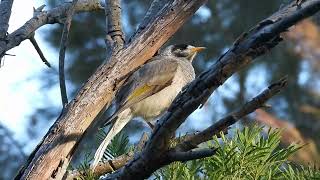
(149, 91)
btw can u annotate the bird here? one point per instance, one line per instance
(150, 90)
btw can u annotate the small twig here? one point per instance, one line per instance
(191, 155)
(63, 47)
(224, 123)
(115, 37)
(36, 46)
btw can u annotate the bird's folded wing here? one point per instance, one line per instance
(146, 81)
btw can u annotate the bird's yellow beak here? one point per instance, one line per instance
(197, 49)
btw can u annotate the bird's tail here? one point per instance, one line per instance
(122, 119)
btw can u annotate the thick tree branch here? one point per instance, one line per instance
(115, 37)
(256, 42)
(152, 12)
(222, 125)
(52, 16)
(62, 53)
(64, 136)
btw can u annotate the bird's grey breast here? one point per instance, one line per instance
(155, 105)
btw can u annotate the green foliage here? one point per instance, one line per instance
(248, 155)
(84, 169)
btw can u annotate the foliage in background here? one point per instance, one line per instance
(249, 154)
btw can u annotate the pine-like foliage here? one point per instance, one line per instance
(249, 154)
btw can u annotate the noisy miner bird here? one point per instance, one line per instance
(149, 91)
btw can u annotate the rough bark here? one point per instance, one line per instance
(256, 42)
(5, 13)
(63, 136)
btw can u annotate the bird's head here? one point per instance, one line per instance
(182, 50)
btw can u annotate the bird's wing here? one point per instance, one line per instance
(146, 81)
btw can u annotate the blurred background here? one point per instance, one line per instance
(30, 97)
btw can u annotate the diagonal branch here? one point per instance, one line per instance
(115, 37)
(52, 16)
(256, 42)
(222, 125)
(62, 53)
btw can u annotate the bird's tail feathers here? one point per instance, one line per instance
(117, 123)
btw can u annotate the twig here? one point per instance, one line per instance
(115, 37)
(224, 123)
(63, 46)
(36, 46)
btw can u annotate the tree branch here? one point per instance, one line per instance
(62, 53)
(52, 16)
(190, 155)
(97, 93)
(5, 10)
(5, 13)
(256, 42)
(152, 12)
(257, 102)
(103, 167)
(115, 37)
(36, 46)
